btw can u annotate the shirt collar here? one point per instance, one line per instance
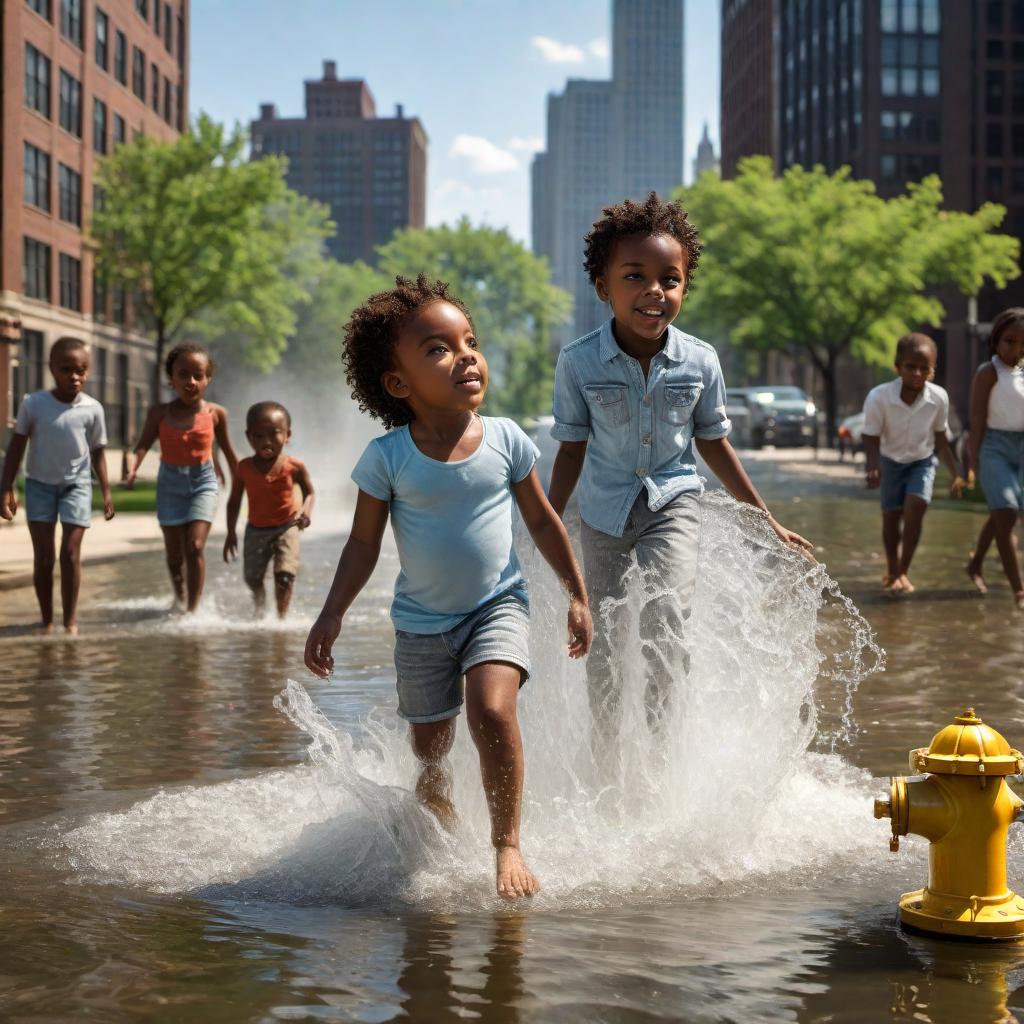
(674, 350)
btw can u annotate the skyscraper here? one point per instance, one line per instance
(371, 171)
(607, 140)
(705, 159)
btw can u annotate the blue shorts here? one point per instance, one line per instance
(185, 494)
(902, 480)
(1001, 468)
(71, 503)
(431, 666)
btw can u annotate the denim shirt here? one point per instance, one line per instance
(639, 433)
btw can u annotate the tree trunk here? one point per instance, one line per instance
(158, 368)
(828, 379)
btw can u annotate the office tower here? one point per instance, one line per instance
(705, 159)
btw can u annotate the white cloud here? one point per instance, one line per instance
(598, 48)
(555, 52)
(531, 144)
(483, 155)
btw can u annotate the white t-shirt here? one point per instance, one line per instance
(1006, 399)
(62, 436)
(907, 432)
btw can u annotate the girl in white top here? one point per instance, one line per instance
(997, 445)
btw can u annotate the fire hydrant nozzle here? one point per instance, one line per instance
(963, 806)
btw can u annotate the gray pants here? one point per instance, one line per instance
(665, 545)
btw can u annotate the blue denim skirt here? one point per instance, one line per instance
(1001, 468)
(185, 494)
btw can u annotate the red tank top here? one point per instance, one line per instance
(271, 495)
(191, 447)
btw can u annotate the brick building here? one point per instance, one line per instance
(371, 171)
(79, 77)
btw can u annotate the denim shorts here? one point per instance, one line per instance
(431, 666)
(185, 494)
(1001, 468)
(71, 503)
(902, 480)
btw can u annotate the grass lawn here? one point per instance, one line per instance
(141, 498)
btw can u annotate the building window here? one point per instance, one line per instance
(121, 58)
(142, 8)
(35, 269)
(1018, 141)
(888, 167)
(41, 7)
(994, 90)
(1017, 180)
(99, 308)
(70, 282)
(930, 82)
(102, 39)
(155, 96)
(994, 182)
(69, 189)
(168, 102)
(96, 385)
(37, 177)
(179, 109)
(890, 15)
(119, 130)
(930, 16)
(99, 126)
(117, 304)
(37, 80)
(168, 28)
(71, 21)
(994, 140)
(139, 73)
(70, 104)
(28, 375)
(1017, 92)
(994, 16)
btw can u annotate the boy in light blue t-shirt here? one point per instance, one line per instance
(448, 477)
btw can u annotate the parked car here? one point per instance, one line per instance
(738, 411)
(777, 414)
(849, 435)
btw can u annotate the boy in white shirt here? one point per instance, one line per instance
(905, 423)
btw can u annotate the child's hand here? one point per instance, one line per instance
(581, 628)
(8, 504)
(789, 538)
(872, 478)
(230, 546)
(129, 481)
(957, 487)
(319, 643)
(303, 521)
(971, 480)
(108, 506)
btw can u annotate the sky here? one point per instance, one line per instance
(476, 73)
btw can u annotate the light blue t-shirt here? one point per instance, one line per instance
(62, 436)
(452, 522)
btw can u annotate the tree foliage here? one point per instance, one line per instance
(820, 265)
(206, 237)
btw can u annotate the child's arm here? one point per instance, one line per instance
(302, 478)
(12, 462)
(356, 565)
(99, 464)
(234, 504)
(565, 473)
(723, 461)
(984, 382)
(220, 431)
(552, 541)
(942, 448)
(872, 451)
(150, 430)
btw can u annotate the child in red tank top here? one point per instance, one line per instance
(268, 479)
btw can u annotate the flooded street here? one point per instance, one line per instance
(173, 847)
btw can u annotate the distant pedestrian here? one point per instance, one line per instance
(269, 478)
(905, 423)
(186, 486)
(997, 446)
(65, 431)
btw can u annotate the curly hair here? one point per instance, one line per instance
(1012, 317)
(652, 217)
(370, 337)
(188, 350)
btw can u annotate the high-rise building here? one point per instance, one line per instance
(371, 171)
(78, 79)
(897, 90)
(608, 140)
(705, 159)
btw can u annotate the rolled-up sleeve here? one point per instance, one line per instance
(572, 417)
(710, 420)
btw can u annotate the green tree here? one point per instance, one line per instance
(206, 237)
(819, 265)
(508, 291)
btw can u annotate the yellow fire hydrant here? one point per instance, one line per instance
(964, 807)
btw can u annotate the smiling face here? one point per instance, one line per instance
(916, 367)
(190, 376)
(1010, 348)
(436, 363)
(70, 368)
(268, 434)
(645, 282)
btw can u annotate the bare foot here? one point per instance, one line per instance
(906, 587)
(441, 808)
(45, 628)
(514, 878)
(974, 573)
(71, 629)
(1019, 598)
(887, 582)
(894, 584)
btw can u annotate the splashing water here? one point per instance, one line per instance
(742, 782)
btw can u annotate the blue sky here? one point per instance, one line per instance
(476, 73)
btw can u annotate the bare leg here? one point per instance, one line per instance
(259, 598)
(174, 546)
(283, 584)
(44, 556)
(913, 517)
(431, 743)
(977, 557)
(891, 523)
(71, 573)
(195, 560)
(1004, 520)
(491, 692)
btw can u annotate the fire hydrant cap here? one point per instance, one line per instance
(968, 747)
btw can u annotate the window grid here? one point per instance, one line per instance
(70, 282)
(99, 126)
(139, 73)
(70, 104)
(71, 21)
(121, 58)
(37, 177)
(69, 188)
(37, 81)
(102, 54)
(35, 269)
(119, 130)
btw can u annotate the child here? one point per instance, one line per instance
(905, 423)
(448, 477)
(997, 444)
(186, 486)
(68, 433)
(268, 479)
(629, 400)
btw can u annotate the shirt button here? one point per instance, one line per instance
(597, 398)
(647, 399)
(646, 439)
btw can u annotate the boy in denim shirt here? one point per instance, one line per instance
(630, 399)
